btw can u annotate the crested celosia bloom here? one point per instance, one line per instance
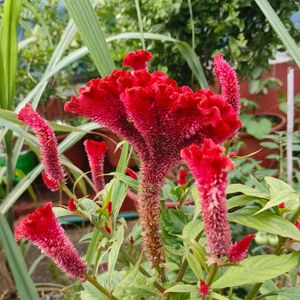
(53, 173)
(96, 152)
(158, 118)
(203, 288)
(182, 177)
(42, 228)
(209, 167)
(228, 81)
(239, 250)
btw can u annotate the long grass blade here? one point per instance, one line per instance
(279, 28)
(24, 284)
(85, 18)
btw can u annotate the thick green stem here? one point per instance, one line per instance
(211, 274)
(99, 287)
(253, 291)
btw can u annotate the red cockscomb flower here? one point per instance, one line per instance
(96, 152)
(158, 118)
(44, 231)
(209, 167)
(228, 80)
(203, 288)
(137, 60)
(239, 250)
(54, 173)
(182, 177)
(72, 205)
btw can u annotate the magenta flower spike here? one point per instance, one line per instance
(228, 81)
(209, 167)
(203, 289)
(53, 173)
(158, 118)
(96, 152)
(44, 231)
(239, 250)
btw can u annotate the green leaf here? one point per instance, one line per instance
(291, 293)
(93, 246)
(240, 188)
(24, 283)
(218, 296)
(241, 200)
(265, 221)
(194, 263)
(182, 288)
(133, 183)
(192, 229)
(9, 50)
(114, 253)
(279, 28)
(62, 212)
(256, 269)
(85, 18)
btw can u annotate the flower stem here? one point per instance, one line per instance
(253, 291)
(211, 274)
(99, 287)
(185, 264)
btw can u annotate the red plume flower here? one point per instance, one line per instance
(182, 177)
(228, 80)
(44, 231)
(203, 288)
(158, 118)
(96, 152)
(72, 205)
(54, 173)
(239, 249)
(209, 167)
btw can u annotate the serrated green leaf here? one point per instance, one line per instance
(257, 269)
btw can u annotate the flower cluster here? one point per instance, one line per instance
(53, 174)
(158, 118)
(43, 230)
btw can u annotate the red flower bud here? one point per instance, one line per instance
(107, 229)
(109, 208)
(203, 288)
(182, 177)
(131, 173)
(131, 240)
(72, 205)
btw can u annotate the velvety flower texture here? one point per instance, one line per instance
(96, 152)
(158, 118)
(209, 167)
(228, 80)
(239, 250)
(203, 288)
(44, 231)
(53, 173)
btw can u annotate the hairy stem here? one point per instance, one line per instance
(99, 287)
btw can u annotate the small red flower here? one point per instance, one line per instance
(109, 208)
(182, 177)
(131, 240)
(54, 173)
(298, 273)
(297, 224)
(131, 173)
(239, 249)
(228, 80)
(209, 167)
(281, 205)
(203, 288)
(42, 228)
(107, 229)
(96, 152)
(72, 205)
(137, 60)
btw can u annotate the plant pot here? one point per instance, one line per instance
(26, 162)
(76, 154)
(252, 144)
